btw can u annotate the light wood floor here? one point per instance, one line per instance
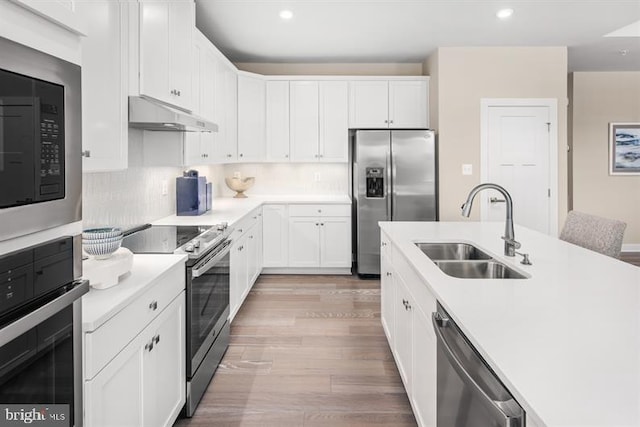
(307, 351)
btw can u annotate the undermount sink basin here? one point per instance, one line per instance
(490, 269)
(465, 261)
(452, 251)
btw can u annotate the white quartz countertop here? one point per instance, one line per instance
(566, 341)
(231, 210)
(100, 305)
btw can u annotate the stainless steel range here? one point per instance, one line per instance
(207, 293)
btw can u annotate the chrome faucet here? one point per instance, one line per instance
(510, 244)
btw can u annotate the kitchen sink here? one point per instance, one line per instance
(452, 251)
(484, 269)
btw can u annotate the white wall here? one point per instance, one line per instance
(597, 100)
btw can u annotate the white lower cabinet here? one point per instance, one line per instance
(319, 236)
(275, 235)
(245, 259)
(144, 385)
(406, 309)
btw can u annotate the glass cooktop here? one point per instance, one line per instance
(161, 239)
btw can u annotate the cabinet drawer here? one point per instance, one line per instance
(245, 223)
(104, 343)
(319, 210)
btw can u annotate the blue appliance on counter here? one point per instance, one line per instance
(191, 194)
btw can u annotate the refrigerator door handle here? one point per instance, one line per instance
(388, 187)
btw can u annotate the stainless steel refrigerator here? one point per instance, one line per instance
(394, 179)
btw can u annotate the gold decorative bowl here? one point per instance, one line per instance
(240, 185)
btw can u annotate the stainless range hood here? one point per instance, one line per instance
(151, 115)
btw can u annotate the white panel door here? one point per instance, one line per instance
(275, 234)
(304, 242)
(334, 121)
(518, 151)
(251, 118)
(408, 104)
(303, 124)
(369, 104)
(278, 121)
(335, 242)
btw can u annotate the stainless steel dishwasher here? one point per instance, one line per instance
(469, 393)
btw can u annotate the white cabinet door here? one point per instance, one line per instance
(303, 124)
(154, 50)
(304, 242)
(239, 274)
(369, 104)
(408, 104)
(277, 121)
(166, 41)
(334, 121)
(114, 397)
(224, 149)
(165, 372)
(231, 85)
(104, 85)
(251, 118)
(275, 233)
(403, 332)
(181, 27)
(335, 242)
(424, 370)
(387, 300)
(253, 258)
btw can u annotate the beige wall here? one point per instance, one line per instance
(464, 77)
(345, 69)
(599, 99)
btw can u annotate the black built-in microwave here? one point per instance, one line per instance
(32, 135)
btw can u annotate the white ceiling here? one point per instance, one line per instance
(410, 30)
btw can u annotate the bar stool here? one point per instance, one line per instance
(592, 232)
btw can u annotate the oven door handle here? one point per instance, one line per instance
(200, 269)
(18, 327)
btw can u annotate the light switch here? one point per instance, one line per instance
(467, 169)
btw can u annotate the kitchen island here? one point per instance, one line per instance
(565, 340)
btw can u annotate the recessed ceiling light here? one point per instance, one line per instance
(286, 14)
(504, 13)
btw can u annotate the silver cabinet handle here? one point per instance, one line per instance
(286, 156)
(240, 154)
(317, 224)
(149, 345)
(228, 155)
(496, 200)
(383, 244)
(153, 305)
(322, 224)
(386, 121)
(156, 339)
(86, 153)
(390, 121)
(388, 274)
(508, 410)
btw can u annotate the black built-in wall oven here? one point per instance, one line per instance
(40, 266)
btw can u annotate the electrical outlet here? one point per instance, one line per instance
(467, 169)
(316, 176)
(165, 187)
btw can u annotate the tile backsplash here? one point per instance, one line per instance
(134, 196)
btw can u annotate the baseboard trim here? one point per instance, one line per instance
(631, 247)
(321, 271)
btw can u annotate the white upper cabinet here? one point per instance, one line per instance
(303, 123)
(408, 104)
(277, 121)
(105, 127)
(369, 104)
(225, 112)
(251, 117)
(166, 28)
(395, 104)
(334, 121)
(319, 121)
